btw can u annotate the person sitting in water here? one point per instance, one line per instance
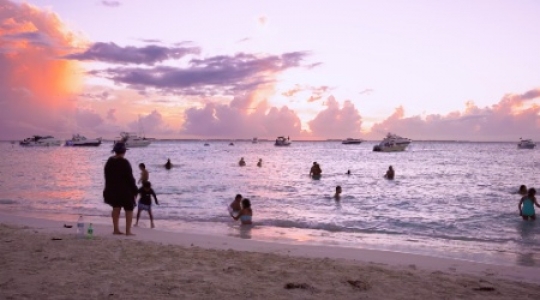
(390, 173)
(235, 207)
(315, 171)
(526, 205)
(337, 195)
(259, 163)
(246, 213)
(168, 164)
(522, 190)
(242, 162)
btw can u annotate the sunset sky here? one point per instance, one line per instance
(443, 70)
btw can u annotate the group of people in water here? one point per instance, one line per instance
(527, 203)
(242, 162)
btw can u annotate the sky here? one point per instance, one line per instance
(426, 70)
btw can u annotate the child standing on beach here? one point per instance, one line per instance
(145, 201)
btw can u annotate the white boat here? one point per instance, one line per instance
(526, 144)
(40, 141)
(133, 140)
(282, 141)
(81, 141)
(254, 140)
(391, 143)
(350, 141)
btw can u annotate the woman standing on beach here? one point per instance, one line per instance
(120, 188)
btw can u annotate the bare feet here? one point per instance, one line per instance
(118, 232)
(129, 233)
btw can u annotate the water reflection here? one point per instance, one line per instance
(526, 230)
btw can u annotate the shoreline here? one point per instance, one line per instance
(350, 255)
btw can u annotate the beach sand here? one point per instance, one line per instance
(42, 260)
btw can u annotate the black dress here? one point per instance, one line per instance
(120, 187)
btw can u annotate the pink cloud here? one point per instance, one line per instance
(151, 123)
(336, 122)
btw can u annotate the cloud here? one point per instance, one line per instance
(224, 74)
(152, 123)
(36, 87)
(336, 122)
(508, 119)
(147, 55)
(262, 20)
(366, 92)
(111, 115)
(99, 96)
(247, 39)
(111, 3)
(238, 120)
(316, 92)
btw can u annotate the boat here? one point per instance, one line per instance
(526, 144)
(254, 140)
(134, 140)
(81, 141)
(391, 143)
(282, 141)
(351, 141)
(38, 140)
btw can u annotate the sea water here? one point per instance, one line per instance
(449, 199)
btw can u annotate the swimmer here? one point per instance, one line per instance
(390, 173)
(246, 213)
(315, 171)
(348, 172)
(259, 164)
(337, 195)
(168, 164)
(235, 207)
(242, 162)
(522, 190)
(527, 210)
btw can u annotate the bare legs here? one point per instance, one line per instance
(138, 216)
(151, 218)
(116, 219)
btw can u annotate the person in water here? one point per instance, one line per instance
(315, 171)
(145, 202)
(144, 174)
(348, 172)
(337, 195)
(120, 187)
(526, 205)
(242, 162)
(235, 207)
(523, 190)
(245, 214)
(168, 164)
(390, 173)
(259, 163)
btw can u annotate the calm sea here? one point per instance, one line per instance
(448, 199)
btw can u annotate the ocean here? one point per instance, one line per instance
(449, 199)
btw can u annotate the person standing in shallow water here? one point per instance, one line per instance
(390, 173)
(526, 205)
(315, 171)
(120, 187)
(168, 164)
(144, 174)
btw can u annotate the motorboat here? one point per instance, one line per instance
(282, 141)
(254, 140)
(134, 140)
(81, 141)
(391, 143)
(38, 140)
(526, 144)
(351, 141)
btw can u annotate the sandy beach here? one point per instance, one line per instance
(42, 260)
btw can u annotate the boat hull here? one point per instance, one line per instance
(90, 144)
(526, 146)
(393, 148)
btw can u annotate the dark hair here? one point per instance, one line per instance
(246, 203)
(338, 187)
(146, 184)
(141, 165)
(119, 148)
(238, 196)
(531, 192)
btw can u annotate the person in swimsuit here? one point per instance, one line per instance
(526, 206)
(168, 164)
(144, 174)
(523, 190)
(315, 171)
(246, 213)
(145, 202)
(120, 188)
(337, 195)
(235, 207)
(242, 162)
(390, 173)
